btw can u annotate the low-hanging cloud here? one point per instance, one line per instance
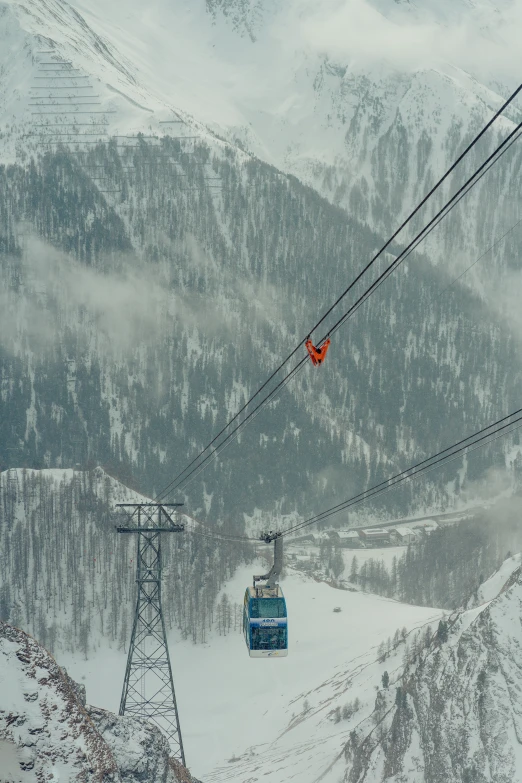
(127, 303)
(485, 41)
(52, 290)
(493, 484)
(504, 296)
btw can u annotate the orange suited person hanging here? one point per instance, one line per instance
(317, 355)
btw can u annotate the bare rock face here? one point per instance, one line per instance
(140, 749)
(47, 730)
(42, 721)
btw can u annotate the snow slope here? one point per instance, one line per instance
(332, 92)
(298, 720)
(457, 716)
(495, 584)
(228, 701)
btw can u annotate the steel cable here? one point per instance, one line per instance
(470, 443)
(470, 146)
(433, 223)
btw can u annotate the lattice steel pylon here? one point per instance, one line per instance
(148, 687)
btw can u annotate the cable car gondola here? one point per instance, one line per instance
(265, 621)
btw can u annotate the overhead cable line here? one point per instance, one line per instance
(484, 254)
(434, 222)
(421, 204)
(477, 175)
(468, 185)
(181, 477)
(473, 180)
(203, 531)
(468, 444)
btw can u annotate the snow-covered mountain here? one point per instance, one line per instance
(135, 323)
(457, 715)
(367, 101)
(48, 732)
(236, 258)
(149, 284)
(441, 703)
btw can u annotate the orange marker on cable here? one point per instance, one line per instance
(317, 355)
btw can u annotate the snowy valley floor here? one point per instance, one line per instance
(229, 702)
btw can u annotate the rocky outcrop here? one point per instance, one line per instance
(140, 749)
(456, 715)
(46, 727)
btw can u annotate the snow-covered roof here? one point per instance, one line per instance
(376, 532)
(404, 532)
(348, 534)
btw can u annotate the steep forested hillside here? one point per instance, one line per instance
(69, 578)
(143, 302)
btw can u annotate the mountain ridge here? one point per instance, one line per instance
(460, 718)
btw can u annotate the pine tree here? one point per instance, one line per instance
(347, 711)
(354, 570)
(442, 632)
(337, 563)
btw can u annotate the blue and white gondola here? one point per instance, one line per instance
(265, 622)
